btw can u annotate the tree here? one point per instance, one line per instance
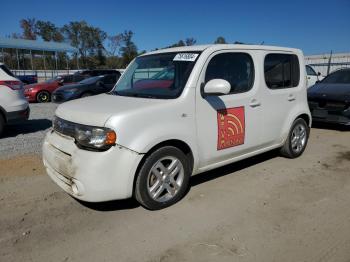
(129, 49)
(220, 40)
(89, 41)
(29, 28)
(48, 31)
(190, 41)
(114, 44)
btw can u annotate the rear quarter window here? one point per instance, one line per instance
(281, 71)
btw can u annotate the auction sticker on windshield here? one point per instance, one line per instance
(190, 57)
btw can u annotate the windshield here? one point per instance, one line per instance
(157, 76)
(7, 71)
(338, 77)
(90, 80)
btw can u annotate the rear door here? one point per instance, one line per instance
(281, 90)
(229, 125)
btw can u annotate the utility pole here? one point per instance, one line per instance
(329, 63)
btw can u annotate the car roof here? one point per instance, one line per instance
(215, 47)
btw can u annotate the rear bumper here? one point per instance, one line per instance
(17, 116)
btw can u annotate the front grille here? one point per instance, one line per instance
(328, 105)
(63, 126)
(335, 105)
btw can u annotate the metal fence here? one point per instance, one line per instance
(328, 63)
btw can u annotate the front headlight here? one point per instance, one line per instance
(94, 137)
(98, 138)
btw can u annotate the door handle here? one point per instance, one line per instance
(254, 103)
(291, 97)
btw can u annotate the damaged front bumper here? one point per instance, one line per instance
(87, 175)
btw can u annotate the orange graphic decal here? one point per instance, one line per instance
(231, 127)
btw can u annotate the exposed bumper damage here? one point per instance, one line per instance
(87, 175)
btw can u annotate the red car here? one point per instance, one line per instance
(41, 92)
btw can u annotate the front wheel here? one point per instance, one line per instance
(43, 97)
(163, 178)
(297, 139)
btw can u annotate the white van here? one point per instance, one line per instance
(175, 113)
(13, 105)
(312, 76)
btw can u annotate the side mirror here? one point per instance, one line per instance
(60, 82)
(217, 87)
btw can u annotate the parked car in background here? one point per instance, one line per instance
(88, 87)
(312, 76)
(329, 100)
(13, 105)
(225, 103)
(98, 72)
(28, 79)
(162, 79)
(41, 92)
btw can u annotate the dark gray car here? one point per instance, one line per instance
(329, 100)
(88, 87)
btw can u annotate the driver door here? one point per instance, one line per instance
(229, 125)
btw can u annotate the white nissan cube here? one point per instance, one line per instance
(175, 113)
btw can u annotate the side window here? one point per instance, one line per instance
(236, 68)
(310, 71)
(68, 79)
(281, 71)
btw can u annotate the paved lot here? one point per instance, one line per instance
(263, 209)
(27, 138)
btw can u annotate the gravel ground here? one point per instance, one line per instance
(27, 138)
(263, 209)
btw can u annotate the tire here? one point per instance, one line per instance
(163, 178)
(43, 97)
(2, 125)
(297, 139)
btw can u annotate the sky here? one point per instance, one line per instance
(314, 26)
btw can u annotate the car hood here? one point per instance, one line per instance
(65, 87)
(96, 110)
(330, 91)
(40, 85)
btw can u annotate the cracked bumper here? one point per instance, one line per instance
(90, 176)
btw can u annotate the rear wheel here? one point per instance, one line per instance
(163, 178)
(2, 125)
(297, 139)
(43, 97)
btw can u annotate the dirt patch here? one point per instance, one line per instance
(23, 165)
(344, 156)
